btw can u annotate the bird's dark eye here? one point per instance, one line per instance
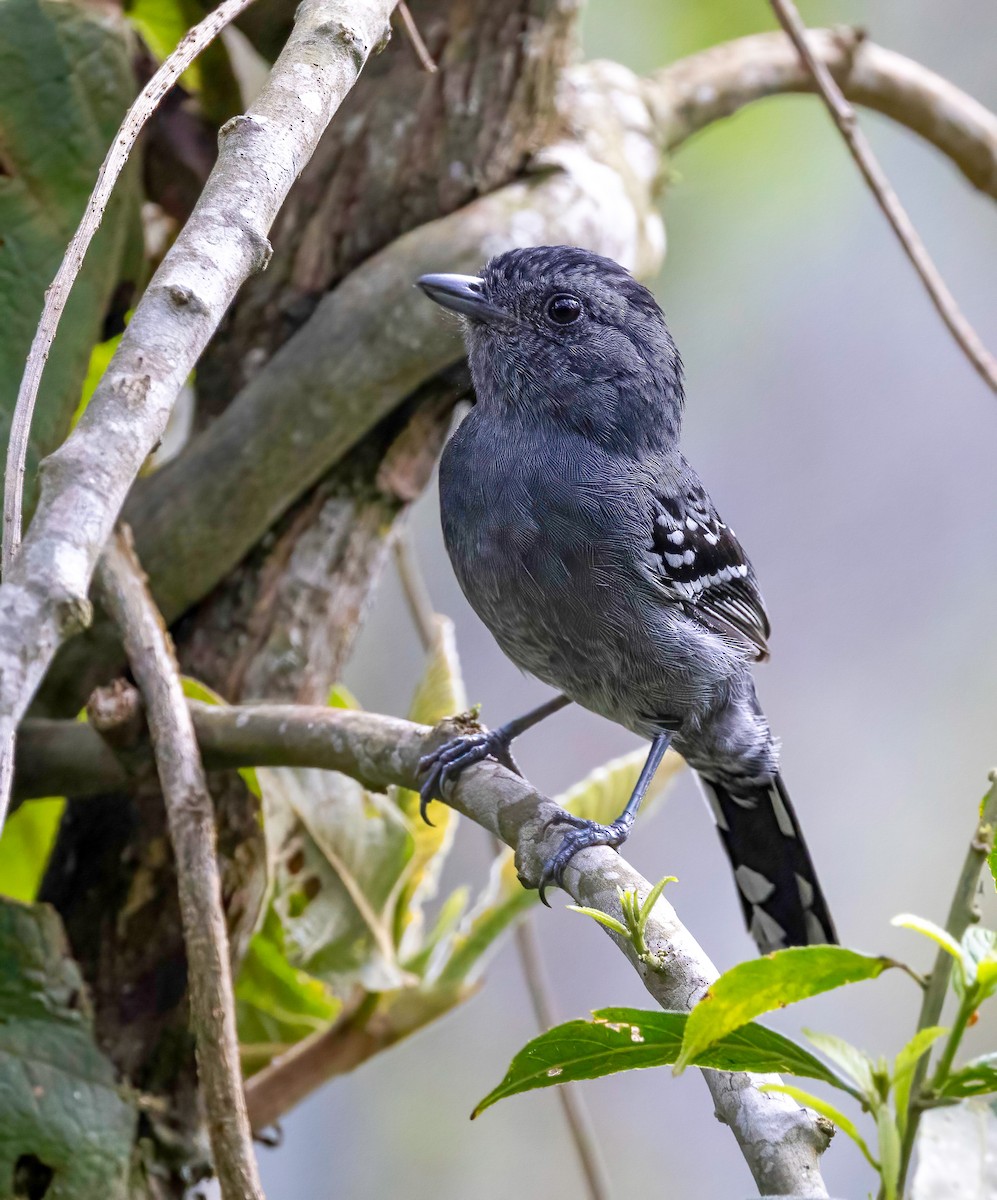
(564, 310)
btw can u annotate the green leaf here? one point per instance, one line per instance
(27, 841)
(978, 1077)
(58, 1094)
(276, 1004)
(194, 689)
(855, 1063)
(624, 1039)
(826, 1110)
(930, 930)
(905, 1064)
(440, 693)
(603, 919)
(979, 949)
(65, 85)
(889, 1151)
(762, 984)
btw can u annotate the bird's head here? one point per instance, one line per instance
(555, 332)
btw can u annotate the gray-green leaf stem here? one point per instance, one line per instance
(781, 1142)
(963, 912)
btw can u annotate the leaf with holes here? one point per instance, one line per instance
(762, 984)
(276, 1004)
(626, 1039)
(67, 1129)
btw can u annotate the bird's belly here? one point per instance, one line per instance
(582, 625)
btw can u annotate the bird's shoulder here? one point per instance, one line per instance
(698, 561)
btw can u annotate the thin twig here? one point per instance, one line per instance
(963, 912)
(580, 1124)
(846, 120)
(192, 830)
(57, 295)
(415, 37)
(420, 604)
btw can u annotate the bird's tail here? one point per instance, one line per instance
(782, 900)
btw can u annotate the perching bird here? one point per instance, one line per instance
(591, 550)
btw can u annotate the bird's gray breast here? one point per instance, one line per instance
(544, 537)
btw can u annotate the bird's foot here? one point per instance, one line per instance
(585, 833)
(442, 766)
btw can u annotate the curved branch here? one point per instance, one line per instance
(696, 91)
(780, 1141)
(43, 598)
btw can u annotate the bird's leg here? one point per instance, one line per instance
(442, 766)
(590, 833)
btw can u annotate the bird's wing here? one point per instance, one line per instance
(702, 567)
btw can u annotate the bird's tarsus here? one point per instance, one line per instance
(584, 833)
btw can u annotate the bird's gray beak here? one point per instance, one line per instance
(462, 294)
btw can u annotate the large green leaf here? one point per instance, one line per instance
(762, 984)
(276, 1004)
(624, 1039)
(62, 1111)
(65, 84)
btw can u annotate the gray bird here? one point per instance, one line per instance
(592, 551)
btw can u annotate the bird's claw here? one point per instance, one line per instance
(585, 833)
(443, 765)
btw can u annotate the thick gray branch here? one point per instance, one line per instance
(191, 822)
(781, 1142)
(43, 599)
(696, 91)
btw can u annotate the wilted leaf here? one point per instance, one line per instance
(440, 694)
(27, 841)
(955, 1153)
(65, 84)
(58, 1095)
(276, 1004)
(625, 1039)
(762, 984)
(338, 853)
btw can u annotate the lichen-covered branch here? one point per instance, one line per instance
(780, 1141)
(43, 598)
(694, 92)
(192, 831)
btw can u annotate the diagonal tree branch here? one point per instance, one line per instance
(43, 598)
(780, 1141)
(192, 830)
(844, 117)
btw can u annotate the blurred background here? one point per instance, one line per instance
(853, 448)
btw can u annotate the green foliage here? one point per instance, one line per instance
(276, 1004)
(635, 915)
(624, 1039)
(760, 985)
(58, 1094)
(65, 84)
(25, 846)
